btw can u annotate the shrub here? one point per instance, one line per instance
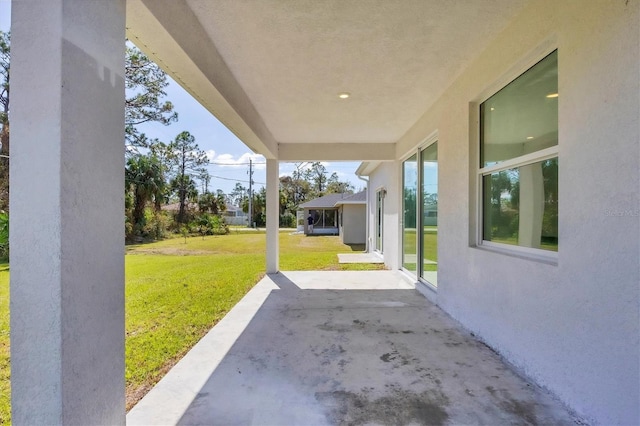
(287, 220)
(208, 224)
(4, 235)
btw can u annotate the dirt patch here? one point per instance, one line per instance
(172, 251)
(398, 408)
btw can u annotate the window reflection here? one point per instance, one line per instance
(410, 192)
(521, 205)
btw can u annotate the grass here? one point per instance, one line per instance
(429, 242)
(176, 291)
(5, 401)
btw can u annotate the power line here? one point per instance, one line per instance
(217, 163)
(236, 180)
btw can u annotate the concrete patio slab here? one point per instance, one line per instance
(359, 258)
(338, 348)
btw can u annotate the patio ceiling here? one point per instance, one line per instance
(271, 70)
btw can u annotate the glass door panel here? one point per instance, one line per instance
(379, 219)
(409, 207)
(429, 214)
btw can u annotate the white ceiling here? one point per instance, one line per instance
(279, 65)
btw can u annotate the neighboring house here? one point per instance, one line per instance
(175, 207)
(234, 215)
(521, 117)
(352, 218)
(338, 214)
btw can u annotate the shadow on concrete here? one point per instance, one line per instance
(339, 356)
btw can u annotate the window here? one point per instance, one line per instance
(518, 167)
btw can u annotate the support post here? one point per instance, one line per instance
(273, 216)
(67, 204)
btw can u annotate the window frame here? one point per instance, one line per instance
(538, 254)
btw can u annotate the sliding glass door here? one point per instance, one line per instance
(420, 214)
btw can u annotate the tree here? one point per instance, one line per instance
(204, 177)
(5, 60)
(258, 206)
(187, 159)
(238, 195)
(144, 181)
(317, 175)
(145, 83)
(212, 203)
(335, 186)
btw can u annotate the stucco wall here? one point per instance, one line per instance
(386, 176)
(353, 226)
(571, 326)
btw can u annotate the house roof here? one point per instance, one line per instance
(357, 198)
(174, 207)
(332, 200)
(271, 71)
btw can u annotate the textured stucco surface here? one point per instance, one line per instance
(386, 177)
(67, 203)
(572, 326)
(353, 227)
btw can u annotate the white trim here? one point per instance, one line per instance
(339, 203)
(528, 60)
(529, 253)
(433, 137)
(523, 160)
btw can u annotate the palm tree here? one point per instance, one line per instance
(144, 179)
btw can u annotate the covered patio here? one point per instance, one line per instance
(376, 81)
(342, 348)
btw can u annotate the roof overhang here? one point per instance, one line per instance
(271, 71)
(366, 167)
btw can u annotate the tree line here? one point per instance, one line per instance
(159, 173)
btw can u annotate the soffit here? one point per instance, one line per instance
(279, 65)
(396, 58)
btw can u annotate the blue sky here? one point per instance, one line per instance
(229, 156)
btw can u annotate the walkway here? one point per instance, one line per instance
(338, 348)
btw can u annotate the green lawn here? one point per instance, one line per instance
(429, 242)
(4, 344)
(175, 292)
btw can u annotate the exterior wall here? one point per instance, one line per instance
(571, 326)
(353, 225)
(386, 176)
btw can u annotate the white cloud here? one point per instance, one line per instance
(211, 154)
(229, 160)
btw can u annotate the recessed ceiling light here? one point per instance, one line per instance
(493, 109)
(552, 95)
(529, 137)
(344, 95)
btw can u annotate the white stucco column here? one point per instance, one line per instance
(531, 205)
(273, 216)
(67, 212)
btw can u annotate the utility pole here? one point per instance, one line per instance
(250, 194)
